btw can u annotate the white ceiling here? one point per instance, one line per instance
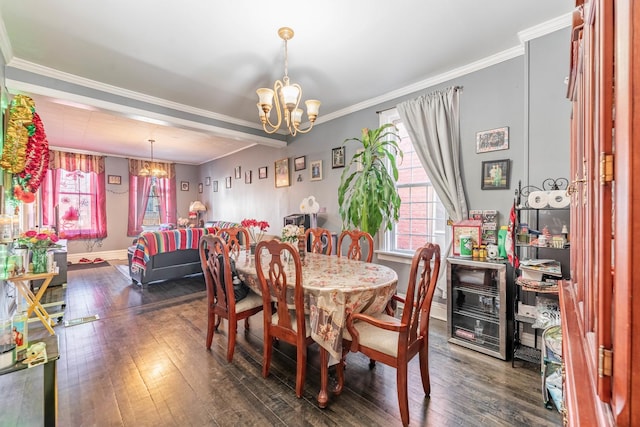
(198, 62)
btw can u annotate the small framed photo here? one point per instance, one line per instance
(300, 163)
(238, 172)
(337, 157)
(114, 179)
(262, 172)
(247, 177)
(200, 189)
(282, 173)
(492, 140)
(316, 171)
(207, 181)
(227, 181)
(184, 185)
(215, 186)
(495, 175)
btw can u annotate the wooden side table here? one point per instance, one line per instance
(22, 283)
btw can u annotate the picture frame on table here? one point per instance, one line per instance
(200, 188)
(315, 172)
(492, 140)
(184, 185)
(207, 181)
(281, 175)
(495, 174)
(469, 228)
(238, 172)
(215, 186)
(228, 182)
(300, 163)
(114, 179)
(262, 172)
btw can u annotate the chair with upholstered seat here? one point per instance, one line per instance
(354, 237)
(236, 238)
(393, 341)
(221, 302)
(320, 240)
(288, 323)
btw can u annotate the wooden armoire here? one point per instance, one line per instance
(600, 305)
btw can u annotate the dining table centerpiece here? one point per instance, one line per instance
(38, 242)
(256, 230)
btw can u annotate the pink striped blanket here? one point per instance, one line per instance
(154, 242)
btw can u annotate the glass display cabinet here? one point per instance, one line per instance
(477, 305)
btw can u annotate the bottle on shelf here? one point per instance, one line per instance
(502, 237)
(478, 332)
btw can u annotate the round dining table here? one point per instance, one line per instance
(333, 286)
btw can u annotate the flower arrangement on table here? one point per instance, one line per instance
(255, 228)
(38, 242)
(290, 233)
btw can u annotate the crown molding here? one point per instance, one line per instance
(34, 68)
(5, 43)
(545, 28)
(499, 57)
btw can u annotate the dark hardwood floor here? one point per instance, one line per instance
(144, 363)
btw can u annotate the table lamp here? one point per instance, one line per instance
(197, 207)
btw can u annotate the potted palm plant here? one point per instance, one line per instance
(367, 195)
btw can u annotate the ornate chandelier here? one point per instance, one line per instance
(151, 169)
(288, 100)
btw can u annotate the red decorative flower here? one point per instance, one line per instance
(255, 228)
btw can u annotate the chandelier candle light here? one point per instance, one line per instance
(152, 169)
(287, 101)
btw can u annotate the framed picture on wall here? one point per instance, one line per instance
(247, 177)
(184, 185)
(262, 172)
(200, 189)
(300, 163)
(492, 140)
(316, 170)
(114, 179)
(495, 175)
(238, 172)
(215, 186)
(282, 172)
(228, 182)
(337, 157)
(207, 181)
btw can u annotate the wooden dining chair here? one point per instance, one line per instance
(393, 341)
(288, 323)
(320, 240)
(221, 302)
(354, 237)
(236, 238)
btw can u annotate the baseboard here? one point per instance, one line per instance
(439, 311)
(106, 255)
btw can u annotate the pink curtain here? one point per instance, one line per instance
(86, 197)
(139, 190)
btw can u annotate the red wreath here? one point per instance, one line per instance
(37, 159)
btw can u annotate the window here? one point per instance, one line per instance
(422, 215)
(152, 211)
(73, 196)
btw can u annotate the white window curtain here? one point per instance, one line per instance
(433, 123)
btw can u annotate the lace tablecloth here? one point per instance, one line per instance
(333, 286)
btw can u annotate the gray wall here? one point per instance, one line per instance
(526, 93)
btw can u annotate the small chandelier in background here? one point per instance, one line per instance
(151, 169)
(288, 100)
